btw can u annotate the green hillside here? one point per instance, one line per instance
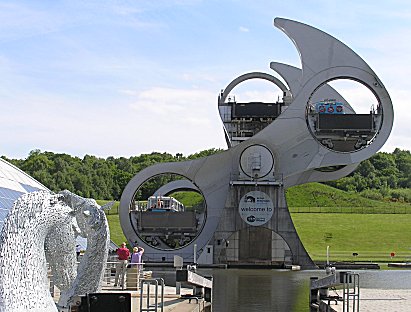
(317, 197)
(372, 236)
(189, 199)
(349, 223)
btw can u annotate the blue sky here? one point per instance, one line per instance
(121, 78)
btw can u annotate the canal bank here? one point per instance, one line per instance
(371, 300)
(340, 291)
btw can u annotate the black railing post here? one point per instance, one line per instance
(313, 295)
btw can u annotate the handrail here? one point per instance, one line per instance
(319, 291)
(108, 276)
(350, 209)
(151, 307)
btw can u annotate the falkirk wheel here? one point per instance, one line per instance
(312, 134)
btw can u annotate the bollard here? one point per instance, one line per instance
(208, 292)
(313, 295)
(178, 264)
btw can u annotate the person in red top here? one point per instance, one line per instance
(123, 254)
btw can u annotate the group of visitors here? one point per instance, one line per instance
(123, 257)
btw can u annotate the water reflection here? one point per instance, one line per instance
(240, 290)
(274, 290)
(259, 290)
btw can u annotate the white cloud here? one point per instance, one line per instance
(243, 29)
(183, 104)
(357, 95)
(159, 119)
(128, 92)
(198, 77)
(257, 96)
(400, 135)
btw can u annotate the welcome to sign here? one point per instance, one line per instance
(256, 208)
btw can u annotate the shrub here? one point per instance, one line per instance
(401, 195)
(372, 194)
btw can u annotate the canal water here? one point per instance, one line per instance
(243, 290)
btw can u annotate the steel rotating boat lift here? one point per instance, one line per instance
(244, 186)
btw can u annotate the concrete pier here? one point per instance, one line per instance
(172, 302)
(381, 300)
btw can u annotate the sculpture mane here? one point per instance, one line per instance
(42, 226)
(92, 224)
(23, 269)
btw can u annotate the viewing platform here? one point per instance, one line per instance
(141, 291)
(172, 301)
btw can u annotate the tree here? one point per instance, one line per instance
(101, 178)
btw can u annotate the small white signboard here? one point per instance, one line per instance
(256, 208)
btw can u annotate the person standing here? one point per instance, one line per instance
(123, 254)
(136, 257)
(136, 264)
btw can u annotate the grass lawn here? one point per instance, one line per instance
(116, 233)
(372, 236)
(325, 216)
(114, 208)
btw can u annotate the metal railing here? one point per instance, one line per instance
(352, 210)
(351, 292)
(149, 306)
(273, 178)
(169, 258)
(320, 298)
(132, 276)
(355, 255)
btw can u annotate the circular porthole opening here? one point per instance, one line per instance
(344, 115)
(167, 211)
